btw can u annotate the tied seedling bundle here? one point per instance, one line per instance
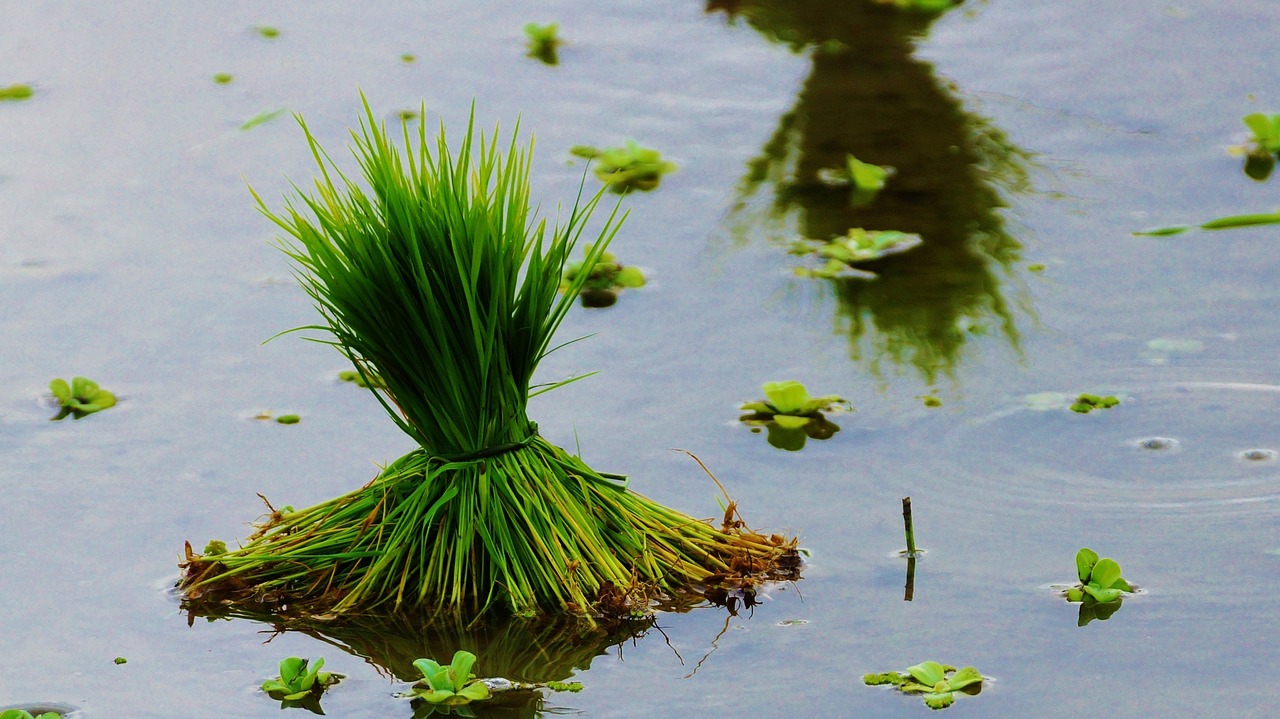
(436, 281)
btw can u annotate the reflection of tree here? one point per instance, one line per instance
(867, 96)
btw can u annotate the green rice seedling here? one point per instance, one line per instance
(437, 280)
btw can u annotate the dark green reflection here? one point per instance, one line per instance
(514, 649)
(867, 96)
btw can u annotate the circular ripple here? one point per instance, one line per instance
(1170, 448)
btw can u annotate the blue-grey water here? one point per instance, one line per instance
(1030, 140)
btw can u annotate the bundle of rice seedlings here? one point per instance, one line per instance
(432, 276)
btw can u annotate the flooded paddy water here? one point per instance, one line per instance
(1029, 142)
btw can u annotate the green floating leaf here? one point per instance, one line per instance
(928, 673)
(931, 681)
(1222, 223)
(262, 118)
(16, 92)
(223, 78)
(543, 41)
(866, 176)
(268, 32)
(80, 397)
(288, 419)
(786, 397)
(1266, 130)
(299, 679)
(626, 168)
(600, 274)
(1163, 231)
(1085, 560)
(855, 247)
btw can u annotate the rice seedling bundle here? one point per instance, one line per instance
(432, 277)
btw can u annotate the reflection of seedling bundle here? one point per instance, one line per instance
(438, 283)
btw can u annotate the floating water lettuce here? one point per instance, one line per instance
(300, 681)
(262, 118)
(449, 685)
(630, 167)
(18, 91)
(1086, 403)
(1266, 131)
(939, 683)
(1222, 223)
(543, 41)
(450, 689)
(24, 714)
(1099, 579)
(605, 279)
(856, 247)
(367, 380)
(865, 178)
(791, 415)
(1260, 155)
(82, 397)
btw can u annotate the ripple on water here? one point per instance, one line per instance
(1188, 447)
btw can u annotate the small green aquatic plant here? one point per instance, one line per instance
(1086, 403)
(223, 78)
(865, 178)
(17, 91)
(791, 415)
(543, 40)
(450, 685)
(1101, 590)
(1260, 156)
(288, 419)
(626, 168)
(24, 714)
(605, 278)
(939, 683)
(855, 247)
(1099, 579)
(80, 398)
(1222, 223)
(300, 679)
(1266, 131)
(788, 403)
(268, 31)
(368, 380)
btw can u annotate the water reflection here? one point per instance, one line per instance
(866, 96)
(513, 649)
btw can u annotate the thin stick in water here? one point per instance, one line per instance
(906, 520)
